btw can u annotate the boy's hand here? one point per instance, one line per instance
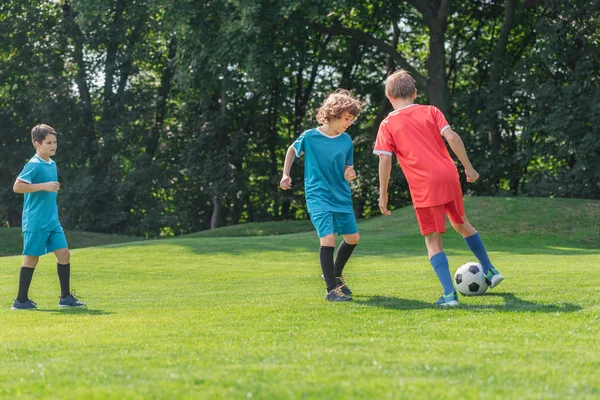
(383, 200)
(349, 174)
(286, 182)
(471, 174)
(51, 186)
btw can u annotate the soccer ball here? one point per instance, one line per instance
(470, 280)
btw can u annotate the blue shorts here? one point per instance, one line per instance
(328, 222)
(37, 244)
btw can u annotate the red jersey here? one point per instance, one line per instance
(414, 134)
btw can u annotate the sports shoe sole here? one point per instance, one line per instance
(67, 306)
(497, 281)
(453, 303)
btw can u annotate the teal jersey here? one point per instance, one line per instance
(325, 187)
(40, 212)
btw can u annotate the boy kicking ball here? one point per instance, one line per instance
(42, 232)
(328, 169)
(415, 134)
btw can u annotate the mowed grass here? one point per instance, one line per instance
(244, 317)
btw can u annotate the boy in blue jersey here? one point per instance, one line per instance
(42, 232)
(328, 169)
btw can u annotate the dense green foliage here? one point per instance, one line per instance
(174, 116)
(244, 317)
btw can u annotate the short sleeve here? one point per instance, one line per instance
(350, 156)
(299, 145)
(384, 142)
(440, 120)
(28, 174)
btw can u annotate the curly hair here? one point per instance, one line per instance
(39, 132)
(400, 85)
(336, 104)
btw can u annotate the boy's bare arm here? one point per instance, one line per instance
(24, 187)
(286, 180)
(385, 169)
(458, 147)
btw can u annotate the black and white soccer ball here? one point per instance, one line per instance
(470, 280)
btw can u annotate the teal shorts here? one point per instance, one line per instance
(37, 244)
(328, 222)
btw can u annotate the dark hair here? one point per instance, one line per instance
(39, 132)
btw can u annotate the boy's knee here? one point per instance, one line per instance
(63, 256)
(352, 239)
(30, 261)
(328, 241)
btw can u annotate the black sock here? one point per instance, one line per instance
(24, 282)
(343, 254)
(64, 276)
(327, 266)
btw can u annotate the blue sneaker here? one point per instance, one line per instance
(493, 278)
(27, 305)
(70, 301)
(447, 300)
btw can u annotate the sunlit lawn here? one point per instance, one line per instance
(241, 317)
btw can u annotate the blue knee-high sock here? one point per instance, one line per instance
(476, 246)
(441, 268)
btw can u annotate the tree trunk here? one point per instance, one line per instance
(88, 126)
(163, 95)
(216, 213)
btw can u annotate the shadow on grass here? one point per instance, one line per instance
(511, 304)
(76, 311)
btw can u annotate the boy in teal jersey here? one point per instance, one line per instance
(42, 232)
(328, 169)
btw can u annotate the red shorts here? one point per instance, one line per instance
(433, 219)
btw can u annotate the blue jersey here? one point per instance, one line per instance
(325, 187)
(40, 212)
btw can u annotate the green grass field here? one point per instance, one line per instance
(245, 317)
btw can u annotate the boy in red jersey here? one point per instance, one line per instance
(414, 133)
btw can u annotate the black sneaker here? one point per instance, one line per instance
(337, 295)
(340, 281)
(26, 305)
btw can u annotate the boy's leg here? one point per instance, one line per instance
(327, 263)
(432, 222)
(346, 225)
(57, 243)
(474, 242)
(63, 269)
(33, 247)
(25, 277)
(344, 251)
(439, 261)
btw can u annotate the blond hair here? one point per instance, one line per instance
(336, 104)
(400, 85)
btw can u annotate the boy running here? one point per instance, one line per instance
(414, 133)
(328, 169)
(42, 232)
